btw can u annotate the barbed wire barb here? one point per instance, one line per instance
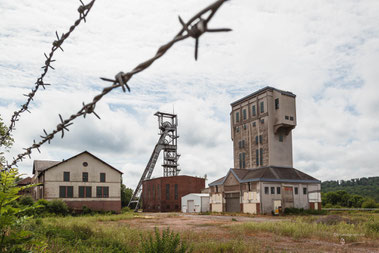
(83, 12)
(121, 79)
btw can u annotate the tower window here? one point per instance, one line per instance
(291, 118)
(286, 117)
(262, 121)
(243, 143)
(256, 139)
(262, 107)
(253, 111)
(237, 129)
(243, 160)
(261, 156)
(254, 124)
(257, 156)
(260, 139)
(244, 114)
(244, 126)
(280, 137)
(237, 117)
(240, 160)
(276, 103)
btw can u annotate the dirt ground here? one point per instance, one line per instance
(216, 227)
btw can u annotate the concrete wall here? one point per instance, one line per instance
(201, 203)
(216, 202)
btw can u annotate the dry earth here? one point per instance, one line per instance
(217, 228)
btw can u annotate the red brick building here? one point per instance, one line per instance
(164, 194)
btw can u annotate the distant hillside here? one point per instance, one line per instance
(366, 187)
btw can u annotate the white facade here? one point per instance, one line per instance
(195, 203)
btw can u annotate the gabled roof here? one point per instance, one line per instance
(54, 164)
(268, 174)
(41, 165)
(25, 181)
(288, 93)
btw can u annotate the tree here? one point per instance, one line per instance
(126, 195)
(4, 145)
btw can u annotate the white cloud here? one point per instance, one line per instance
(326, 52)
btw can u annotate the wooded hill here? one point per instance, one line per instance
(365, 186)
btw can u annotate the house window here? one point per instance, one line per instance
(102, 191)
(66, 191)
(66, 176)
(281, 137)
(176, 191)
(277, 190)
(216, 188)
(276, 103)
(304, 190)
(261, 156)
(85, 191)
(266, 190)
(272, 190)
(102, 177)
(257, 156)
(85, 176)
(262, 107)
(286, 117)
(253, 111)
(260, 139)
(237, 117)
(244, 114)
(296, 191)
(167, 191)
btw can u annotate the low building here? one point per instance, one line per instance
(263, 190)
(82, 180)
(195, 203)
(164, 194)
(25, 182)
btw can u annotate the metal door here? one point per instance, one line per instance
(287, 196)
(233, 202)
(190, 206)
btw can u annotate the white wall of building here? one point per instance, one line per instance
(195, 203)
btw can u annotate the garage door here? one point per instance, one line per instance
(287, 196)
(233, 202)
(190, 206)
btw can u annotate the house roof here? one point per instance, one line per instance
(25, 181)
(54, 163)
(288, 93)
(269, 174)
(41, 165)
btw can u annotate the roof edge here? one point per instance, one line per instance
(288, 93)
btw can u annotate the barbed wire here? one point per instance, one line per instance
(194, 28)
(83, 12)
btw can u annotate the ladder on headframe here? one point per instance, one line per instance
(168, 143)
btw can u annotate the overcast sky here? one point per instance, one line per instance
(326, 52)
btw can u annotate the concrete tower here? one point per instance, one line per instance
(261, 129)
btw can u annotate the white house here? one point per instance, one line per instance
(195, 203)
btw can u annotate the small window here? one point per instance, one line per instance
(253, 111)
(237, 117)
(276, 103)
(167, 191)
(239, 144)
(257, 156)
(291, 118)
(272, 190)
(260, 139)
(216, 188)
(262, 107)
(66, 176)
(237, 129)
(243, 160)
(85, 164)
(102, 191)
(254, 124)
(244, 114)
(256, 139)
(261, 156)
(266, 190)
(262, 121)
(244, 126)
(304, 190)
(102, 177)
(296, 190)
(66, 191)
(85, 176)
(240, 159)
(281, 137)
(286, 117)
(249, 186)
(176, 191)
(278, 190)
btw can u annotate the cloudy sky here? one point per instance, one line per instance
(326, 52)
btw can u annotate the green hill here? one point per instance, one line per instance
(366, 187)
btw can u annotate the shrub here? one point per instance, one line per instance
(302, 211)
(57, 207)
(126, 210)
(86, 210)
(168, 242)
(26, 201)
(370, 203)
